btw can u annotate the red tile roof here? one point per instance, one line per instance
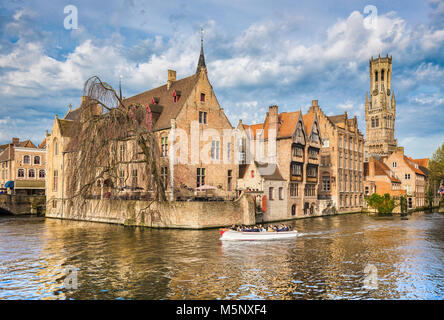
(412, 166)
(170, 108)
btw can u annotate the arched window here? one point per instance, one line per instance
(56, 147)
(377, 122)
(37, 160)
(42, 174)
(376, 76)
(293, 210)
(26, 159)
(382, 75)
(31, 173)
(373, 122)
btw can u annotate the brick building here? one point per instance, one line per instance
(22, 168)
(380, 179)
(295, 152)
(189, 108)
(413, 179)
(341, 160)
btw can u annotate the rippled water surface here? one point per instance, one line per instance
(326, 262)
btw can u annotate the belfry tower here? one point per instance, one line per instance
(380, 109)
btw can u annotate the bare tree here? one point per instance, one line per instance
(100, 141)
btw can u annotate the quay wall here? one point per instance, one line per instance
(22, 204)
(176, 214)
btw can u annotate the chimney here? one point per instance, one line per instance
(371, 167)
(171, 78)
(273, 118)
(15, 141)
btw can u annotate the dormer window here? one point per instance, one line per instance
(155, 100)
(202, 97)
(176, 96)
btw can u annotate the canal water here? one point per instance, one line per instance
(339, 257)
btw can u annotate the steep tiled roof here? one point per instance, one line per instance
(26, 144)
(308, 121)
(170, 108)
(43, 144)
(337, 119)
(65, 127)
(287, 122)
(382, 169)
(72, 114)
(411, 164)
(421, 162)
(4, 154)
(3, 146)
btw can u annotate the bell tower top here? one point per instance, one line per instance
(380, 74)
(380, 108)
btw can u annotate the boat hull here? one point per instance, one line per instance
(255, 236)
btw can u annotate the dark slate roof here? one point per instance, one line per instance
(337, 119)
(261, 167)
(65, 127)
(73, 114)
(170, 109)
(26, 144)
(4, 154)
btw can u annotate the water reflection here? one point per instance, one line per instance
(326, 262)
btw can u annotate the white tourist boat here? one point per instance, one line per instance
(228, 234)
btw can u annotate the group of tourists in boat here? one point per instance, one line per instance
(261, 228)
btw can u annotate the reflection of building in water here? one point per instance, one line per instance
(111, 261)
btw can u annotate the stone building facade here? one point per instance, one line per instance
(292, 141)
(186, 116)
(341, 160)
(380, 109)
(268, 189)
(24, 165)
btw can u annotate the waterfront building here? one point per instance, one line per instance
(380, 109)
(268, 188)
(22, 168)
(380, 179)
(296, 155)
(341, 161)
(413, 179)
(187, 105)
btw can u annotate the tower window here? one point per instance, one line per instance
(382, 75)
(376, 76)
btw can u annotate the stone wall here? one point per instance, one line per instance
(177, 214)
(22, 204)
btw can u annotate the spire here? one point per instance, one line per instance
(120, 87)
(201, 63)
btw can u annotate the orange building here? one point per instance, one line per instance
(22, 167)
(380, 179)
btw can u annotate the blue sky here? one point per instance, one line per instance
(258, 53)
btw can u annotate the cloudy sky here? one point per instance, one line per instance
(258, 53)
